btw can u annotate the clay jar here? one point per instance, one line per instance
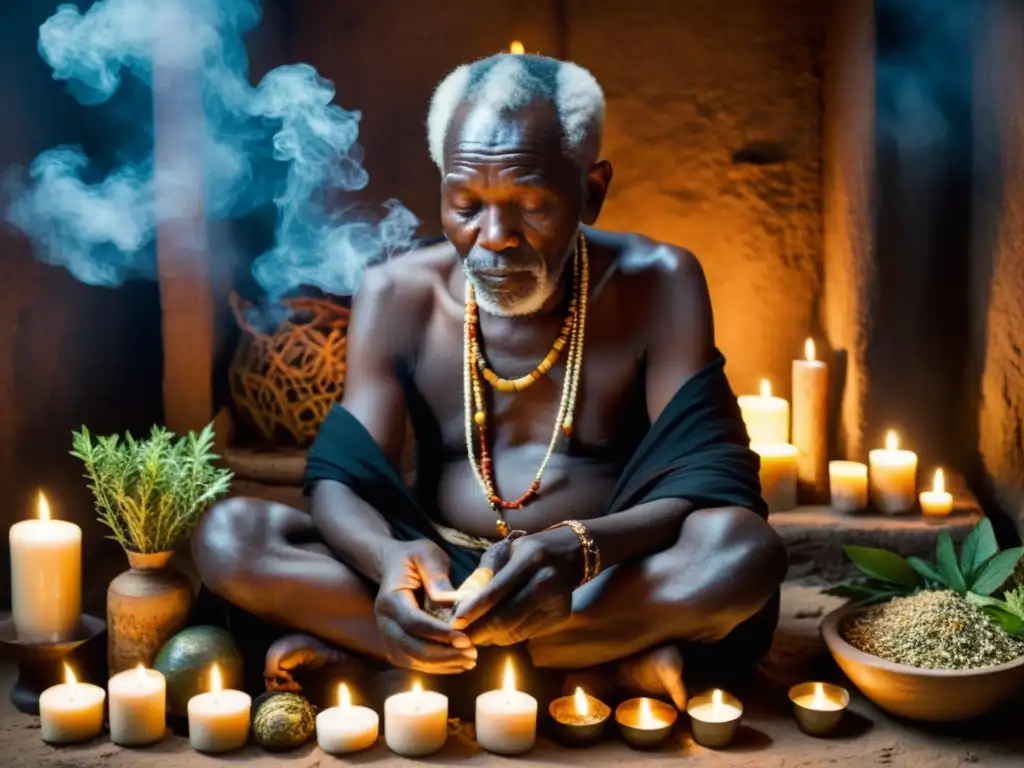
(146, 606)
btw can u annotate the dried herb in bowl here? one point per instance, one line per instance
(932, 630)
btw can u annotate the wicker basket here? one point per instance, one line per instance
(284, 382)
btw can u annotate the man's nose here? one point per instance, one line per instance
(498, 229)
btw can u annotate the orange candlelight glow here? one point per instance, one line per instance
(892, 441)
(809, 350)
(517, 48)
(766, 388)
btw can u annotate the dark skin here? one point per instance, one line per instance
(510, 199)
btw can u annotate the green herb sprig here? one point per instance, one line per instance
(151, 492)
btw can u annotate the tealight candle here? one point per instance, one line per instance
(645, 723)
(71, 711)
(938, 501)
(46, 578)
(416, 722)
(766, 417)
(714, 718)
(218, 720)
(778, 474)
(579, 719)
(818, 707)
(138, 706)
(810, 423)
(346, 728)
(848, 485)
(506, 719)
(893, 477)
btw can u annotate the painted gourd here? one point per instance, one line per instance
(186, 659)
(282, 721)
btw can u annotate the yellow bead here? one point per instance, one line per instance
(479, 417)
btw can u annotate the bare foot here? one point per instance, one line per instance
(655, 673)
(304, 664)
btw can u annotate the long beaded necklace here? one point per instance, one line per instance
(475, 368)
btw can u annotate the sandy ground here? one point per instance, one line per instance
(769, 736)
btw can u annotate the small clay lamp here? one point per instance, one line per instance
(818, 707)
(714, 718)
(579, 719)
(645, 723)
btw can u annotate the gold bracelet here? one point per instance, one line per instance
(591, 553)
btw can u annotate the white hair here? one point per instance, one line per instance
(506, 82)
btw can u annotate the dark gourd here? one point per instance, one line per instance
(186, 660)
(282, 721)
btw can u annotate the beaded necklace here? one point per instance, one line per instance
(476, 368)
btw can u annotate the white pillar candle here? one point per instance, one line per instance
(345, 728)
(810, 423)
(72, 711)
(138, 707)
(938, 501)
(218, 721)
(416, 722)
(506, 719)
(766, 417)
(893, 477)
(46, 578)
(778, 475)
(848, 485)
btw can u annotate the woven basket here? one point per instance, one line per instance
(284, 382)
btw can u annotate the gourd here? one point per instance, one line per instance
(186, 660)
(282, 721)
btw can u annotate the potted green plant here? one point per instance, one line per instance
(150, 493)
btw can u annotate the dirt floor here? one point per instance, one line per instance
(769, 736)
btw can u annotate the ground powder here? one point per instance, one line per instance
(934, 630)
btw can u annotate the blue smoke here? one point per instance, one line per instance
(282, 142)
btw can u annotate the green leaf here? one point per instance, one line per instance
(883, 564)
(926, 570)
(978, 548)
(867, 592)
(996, 571)
(1011, 624)
(945, 559)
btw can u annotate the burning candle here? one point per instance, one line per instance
(72, 711)
(778, 474)
(714, 718)
(848, 485)
(810, 423)
(517, 48)
(938, 501)
(893, 477)
(579, 719)
(416, 722)
(645, 723)
(218, 720)
(138, 704)
(766, 417)
(345, 728)
(818, 707)
(46, 578)
(506, 719)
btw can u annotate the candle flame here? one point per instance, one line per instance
(516, 48)
(645, 715)
(417, 687)
(809, 350)
(819, 701)
(892, 441)
(216, 683)
(716, 698)
(508, 682)
(43, 507)
(69, 676)
(766, 388)
(579, 700)
(344, 697)
(939, 484)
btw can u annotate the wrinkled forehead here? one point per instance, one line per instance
(480, 132)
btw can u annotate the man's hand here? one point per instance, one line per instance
(414, 639)
(531, 593)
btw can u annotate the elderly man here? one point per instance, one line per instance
(571, 418)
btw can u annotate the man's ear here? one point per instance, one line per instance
(598, 178)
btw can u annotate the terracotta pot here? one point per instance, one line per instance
(934, 695)
(146, 606)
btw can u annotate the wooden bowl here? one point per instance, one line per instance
(933, 695)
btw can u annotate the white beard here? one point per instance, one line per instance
(507, 304)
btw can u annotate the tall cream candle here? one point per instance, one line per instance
(71, 712)
(893, 477)
(416, 722)
(506, 719)
(765, 416)
(810, 424)
(778, 475)
(138, 707)
(46, 577)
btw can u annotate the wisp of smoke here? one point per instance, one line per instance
(281, 142)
